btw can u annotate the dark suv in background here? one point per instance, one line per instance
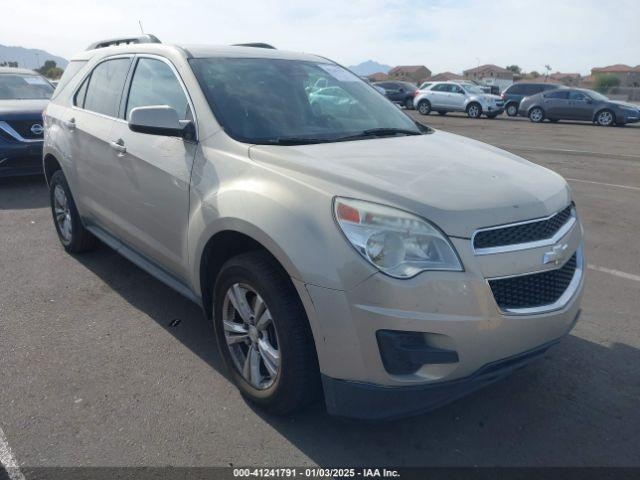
(24, 94)
(514, 94)
(401, 93)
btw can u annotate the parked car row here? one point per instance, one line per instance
(537, 101)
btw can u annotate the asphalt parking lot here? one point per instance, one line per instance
(102, 365)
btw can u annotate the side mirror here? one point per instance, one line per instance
(160, 120)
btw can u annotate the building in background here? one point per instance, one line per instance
(490, 75)
(628, 76)
(446, 77)
(410, 73)
(378, 77)
(568, 79)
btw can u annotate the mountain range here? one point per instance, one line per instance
(29, 57)
(369, 67)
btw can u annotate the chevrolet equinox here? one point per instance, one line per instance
(338, 247)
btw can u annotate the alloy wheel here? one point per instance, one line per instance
(62, 213)
(424, 108)
(473, 111)
(512, 110)
(251, 336)
(605, 118)
(536, 115)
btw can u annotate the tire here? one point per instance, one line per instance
(408, 103)
(424, 107)
(442, 112)
(474, 110)
(536, 115)
(491, 116)
(605, 118)
(512, 109)
(285, 376)
(71, 233)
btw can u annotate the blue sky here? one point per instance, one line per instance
(570, 35)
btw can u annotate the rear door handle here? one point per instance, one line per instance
(118, 145)
(70, 125)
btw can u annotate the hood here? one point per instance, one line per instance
(22, 108)
(458, 183)
(625, 104)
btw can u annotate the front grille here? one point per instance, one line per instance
(23, 127)
(535, 290)
(528, 232)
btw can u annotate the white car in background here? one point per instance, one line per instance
(444, 97)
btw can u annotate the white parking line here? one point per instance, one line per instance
(567, 150)
(628, 187)
(7, 460)
(615, 273)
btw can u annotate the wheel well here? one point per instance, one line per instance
(474, 102)
(51, 166)
(220, 248)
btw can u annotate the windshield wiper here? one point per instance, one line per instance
(295, 140)
(380, 132)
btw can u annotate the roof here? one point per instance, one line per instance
(407, 68)
(19, 71)
(199, 51)
(617, 68)
(488, 66)
(446, 76)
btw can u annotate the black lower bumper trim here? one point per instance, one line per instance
(367, 401)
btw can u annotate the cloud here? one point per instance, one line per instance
(570, 35)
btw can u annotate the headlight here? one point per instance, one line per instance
(396, 242)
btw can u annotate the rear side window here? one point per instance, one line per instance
(515, 89)
(154, 83)
(73, 67)
(78, 100)
(557, 94)
(105, 86)
(441, 87)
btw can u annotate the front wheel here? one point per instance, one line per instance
(474, 110)
(71, 233)
(536, 115)
(605, 118)
(263, 334)
(512, 109)
(424, 107)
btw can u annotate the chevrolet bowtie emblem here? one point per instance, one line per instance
(557, 254)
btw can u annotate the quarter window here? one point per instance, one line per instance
(154, 83)
(105, 86)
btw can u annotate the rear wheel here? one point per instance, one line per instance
(512, 109)
(71, 233)
(408, 103)
(536, 115)
(474, 110)
(605, 118)
(263, 334)
(424, 107)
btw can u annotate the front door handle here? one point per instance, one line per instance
(118, 145)
(70, 124)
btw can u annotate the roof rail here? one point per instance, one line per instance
(124, 41)
(256, 45)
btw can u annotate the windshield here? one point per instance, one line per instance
(275, 101)
(596, 96)
(473, 88)
(24, 87)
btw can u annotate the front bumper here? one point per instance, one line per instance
(367, 401)
(453, 311)
(20, 158)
